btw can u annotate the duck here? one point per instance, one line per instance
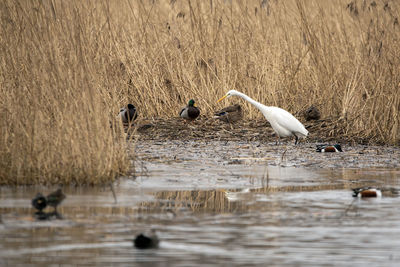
(190, 112)
(39, 202)
(230, 114)
(143, 241)
(329, 148)
(282, 121)
(312, 113)
(367, 192)
(54, 199)
(128, 114)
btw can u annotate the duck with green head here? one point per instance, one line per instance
(190, 112)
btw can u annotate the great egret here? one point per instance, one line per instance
(328, 148)
(230, 114)
(283, 123)
(190, 112)
(128, 114)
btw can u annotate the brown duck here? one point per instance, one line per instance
(54, 199)
(230, 114)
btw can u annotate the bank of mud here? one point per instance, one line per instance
(247, 142)
(206, 129)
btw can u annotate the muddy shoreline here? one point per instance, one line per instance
(249, 142)
(206, 129)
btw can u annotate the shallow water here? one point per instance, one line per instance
(214, 205)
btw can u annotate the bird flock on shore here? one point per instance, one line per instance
(283, 123)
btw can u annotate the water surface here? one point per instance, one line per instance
(234, 207)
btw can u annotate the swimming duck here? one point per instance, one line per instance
(143, 241)
(54, 199)
(39, 202)
(190, 112)
(329, 148)
(230, 114)
(128, 114)
(367, 192)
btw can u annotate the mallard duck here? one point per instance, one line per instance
(230, 114)
(128, 114)
(39, 202)
(190, 112)
(54, 199)
(143, 241)
(329, 148)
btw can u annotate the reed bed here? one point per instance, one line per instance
(57, 96)
(341, 56)
(67, 67)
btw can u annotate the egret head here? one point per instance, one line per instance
(229, 94)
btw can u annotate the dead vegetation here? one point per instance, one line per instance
(323, 130)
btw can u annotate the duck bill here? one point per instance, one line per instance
(222, 98)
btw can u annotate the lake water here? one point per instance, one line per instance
(215, 204)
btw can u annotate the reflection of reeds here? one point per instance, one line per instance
(217, 201)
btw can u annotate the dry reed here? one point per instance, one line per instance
(57, 96)
(66, 67)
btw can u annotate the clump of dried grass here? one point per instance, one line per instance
(57, 98)
(66, 67)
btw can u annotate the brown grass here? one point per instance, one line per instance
(57, 97)
(66, 67)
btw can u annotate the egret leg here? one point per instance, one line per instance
(278, 139)
(295, 142)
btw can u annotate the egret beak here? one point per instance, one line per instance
(222, 98)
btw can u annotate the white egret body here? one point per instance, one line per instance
(283, 123)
